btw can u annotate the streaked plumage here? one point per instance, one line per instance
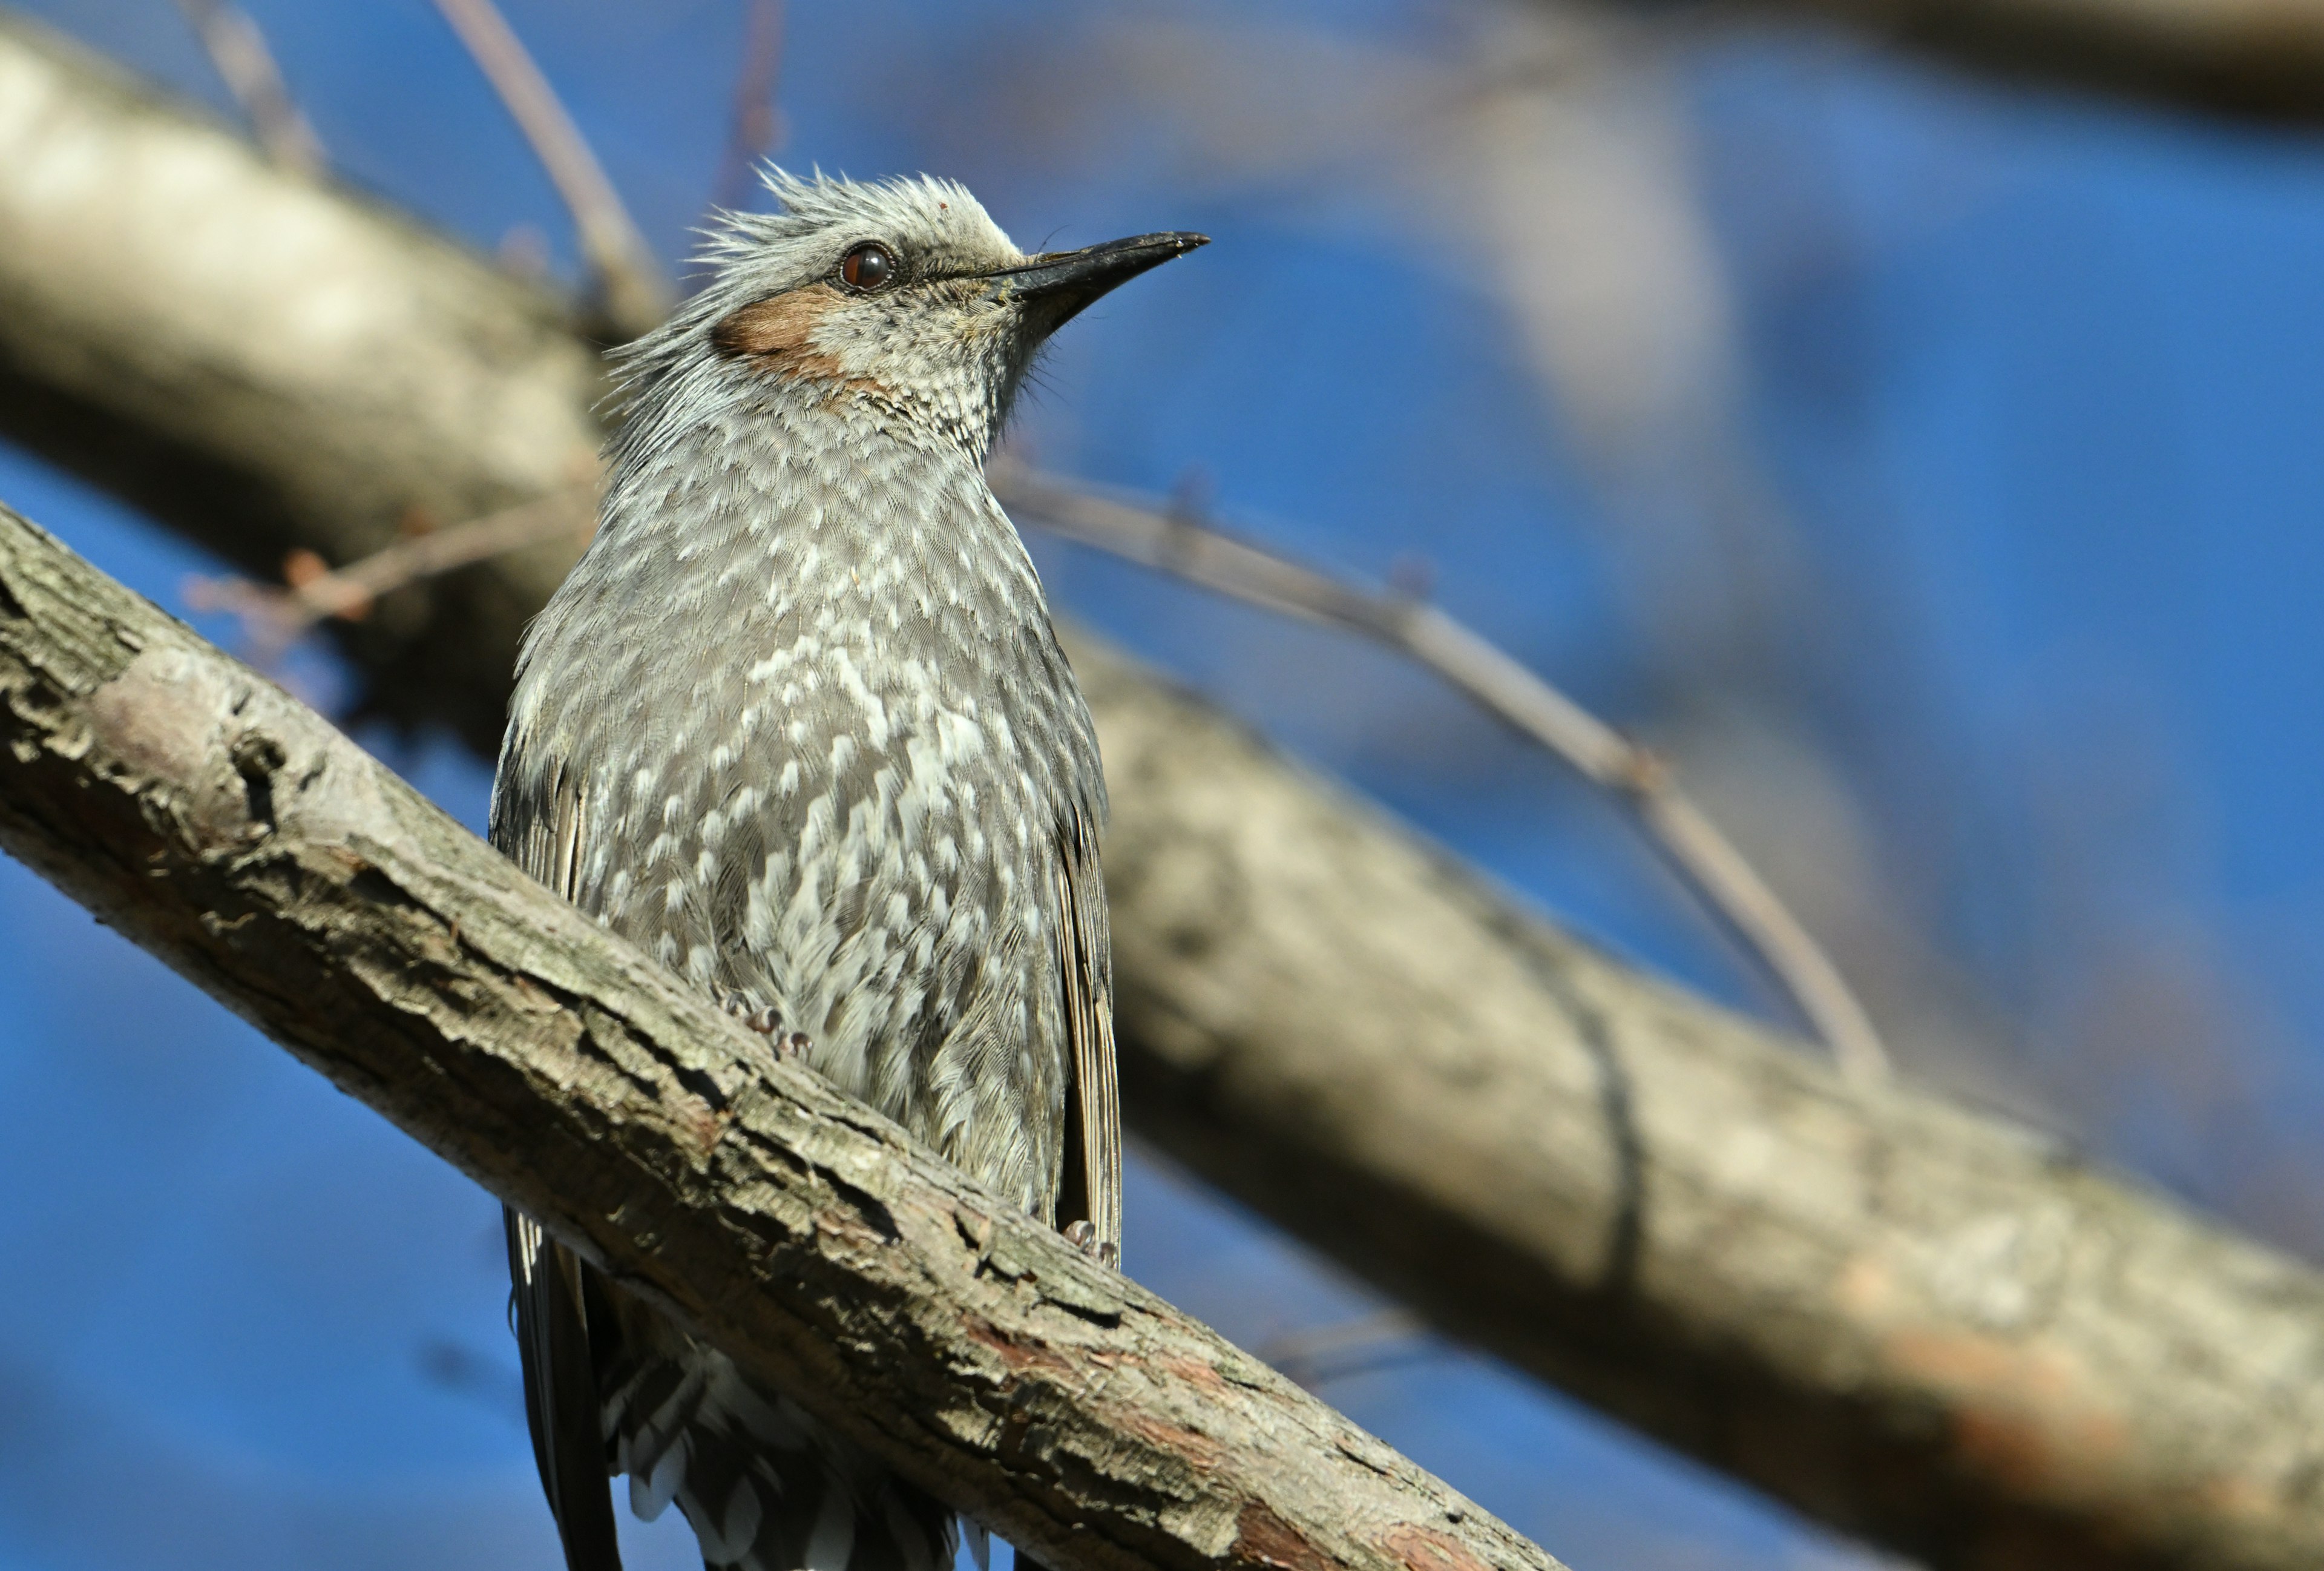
(798, 725)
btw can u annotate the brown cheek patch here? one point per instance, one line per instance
(776, 335)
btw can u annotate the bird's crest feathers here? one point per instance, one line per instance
(667, 379)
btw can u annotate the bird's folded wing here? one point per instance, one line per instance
(550, 1296)
(560, 1393)
(1091, 1190)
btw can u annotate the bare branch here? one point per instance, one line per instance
(757, 126)
(1920, 1325)
(2259, 59)
(275, 617)
(237, 48)
(244, 841)
(1345, 1347)
(1173, 541)
(634, 294)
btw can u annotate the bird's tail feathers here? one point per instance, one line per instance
(764, 1486)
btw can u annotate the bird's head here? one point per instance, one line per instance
(902, 295)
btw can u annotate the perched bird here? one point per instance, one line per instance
(798, 725)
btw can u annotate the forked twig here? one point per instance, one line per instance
(631, 291)
(238, 51)
(1170, 542)
(276, 616)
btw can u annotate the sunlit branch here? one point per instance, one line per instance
(237, 835)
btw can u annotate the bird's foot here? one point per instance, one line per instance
(1082, 1233)
(769, 1024)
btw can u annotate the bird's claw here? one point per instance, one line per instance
(1082, 1235)
(769, 1024)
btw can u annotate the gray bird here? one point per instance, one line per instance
(798, 725)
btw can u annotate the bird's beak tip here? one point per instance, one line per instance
(1062, 282)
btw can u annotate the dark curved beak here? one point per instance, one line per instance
(1053, 287)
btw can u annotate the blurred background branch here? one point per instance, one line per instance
(627, 281)
(1171, 540)
(2260, 59)
(757, 128)
(273, 618)
(238, 49)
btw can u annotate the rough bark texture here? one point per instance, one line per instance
(240, 838)
(1913, 1323)
(2253, 59)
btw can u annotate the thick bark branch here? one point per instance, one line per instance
(1920, 1325)
(2253, 59)
(237, 834)
(1913, 1323)
(268, 364)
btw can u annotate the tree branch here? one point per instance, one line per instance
(757, 126)
(238, 50)
(242, 839)
(1703, 858)
(276, 617)
(2251, 59)
(329, 373)
(1922, 1326)
(1917, 1324)
(1173, 543)
(631, 293)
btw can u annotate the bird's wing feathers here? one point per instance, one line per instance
(548, 1287)
(1092, 1190)
(560, 1393)
(557, 1313)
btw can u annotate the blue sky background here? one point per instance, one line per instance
(2026, 389)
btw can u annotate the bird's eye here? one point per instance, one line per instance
(869, 266)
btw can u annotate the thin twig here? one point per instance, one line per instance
(1171, 540)
(631, 291)
(758, 124)
(276, 616)
(238, 50)
(1318, 1354)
